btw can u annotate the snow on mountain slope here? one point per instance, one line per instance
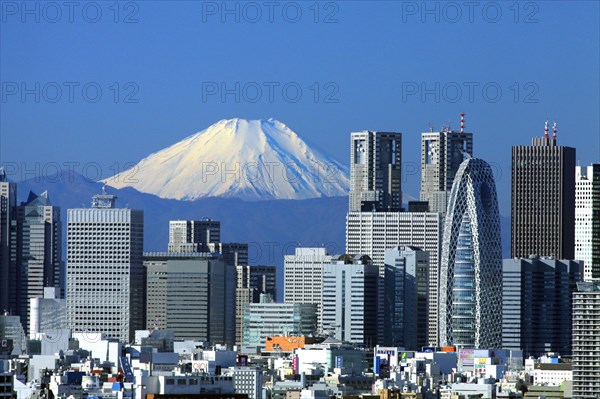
(247, 159)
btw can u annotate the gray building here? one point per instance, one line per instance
(105, 274)
(350, 299)
(193, 235)
(543, 199)
(537, 303)
(39, 245)
(587, 219)
(192, 294)
(372, 233)
(252, 281)
(470, 314)
(375, 171)
(8, 261)
(274, 319)
(441, 155)
(406, 294)
(586, 340)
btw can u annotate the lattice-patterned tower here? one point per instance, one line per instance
(471, 269)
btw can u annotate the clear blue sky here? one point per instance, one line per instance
(371, 59)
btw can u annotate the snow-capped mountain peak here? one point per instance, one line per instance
(248, 159)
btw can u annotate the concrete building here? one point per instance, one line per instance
(247, 380)
(193, 235)
(441, 155)
(47, 312)
(39, 246)
(192, 294)
(303, 277)
(8, 264)
(406, 292)
(350, 300)
(586, 340)
(252, 281)
(537, 303)
(587, 219)
(543, 199)
(105, 274)
(471, 270)
(268, 319)
(375, 171)
(372, 233)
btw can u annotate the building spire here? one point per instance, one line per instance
(554, 131)
(462, 123)
(546, 130)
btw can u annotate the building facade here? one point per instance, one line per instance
(193, 235)
(537, 304)
(441, 155)
(587, 219)
(375, 171)
(303, 277)
(406, 295)
(252, 281)
(105, 274)
(192, 294)
(543, 199)
(350, 300)
(471, 269)
(372, 233)
(8, 261)
(586, 340)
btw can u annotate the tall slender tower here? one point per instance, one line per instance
(39, 250)
(375, 171)
(471, 272)
(587, 219)
(543, 199)
(105, 273)
(586, 340)
(8, 269)
(441, 155)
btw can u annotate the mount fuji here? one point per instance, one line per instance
(238, 158)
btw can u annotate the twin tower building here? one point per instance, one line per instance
(456, 223)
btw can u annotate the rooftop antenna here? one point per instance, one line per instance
(546, 130)
(430, 127)
(554, 128)
(462, 123)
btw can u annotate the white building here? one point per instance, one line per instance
(247, 380)
(587, 229)
(105, 275)
(303, 277)
(372, 233)
(552, 374)
(46, 313)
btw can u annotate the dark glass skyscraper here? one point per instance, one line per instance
(543, 199)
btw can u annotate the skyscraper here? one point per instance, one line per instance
(105, 274)
(586, 340)
(537, 303)
(471, 269)
(252, 281)
(543, 199)
(375, 171)
(441, 155)
(406, 291)
(192, 294)
(587, 219)
(350, 299)
(193, 235)
(39, 251)
(371, 233)
(303, 277)
(8, 261)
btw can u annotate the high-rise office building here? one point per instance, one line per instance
(406, 292)
(8, 260)
(193, 235)
(192, 294)
(587, 219)
(537, 303)
(38, 251)
(586, 340)
(105, 274)
(252, 281)
(375, 171)
(441, 155)
(372, 233)
(543, 199)
(303, 277)
(471, 269)
(350, 300)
